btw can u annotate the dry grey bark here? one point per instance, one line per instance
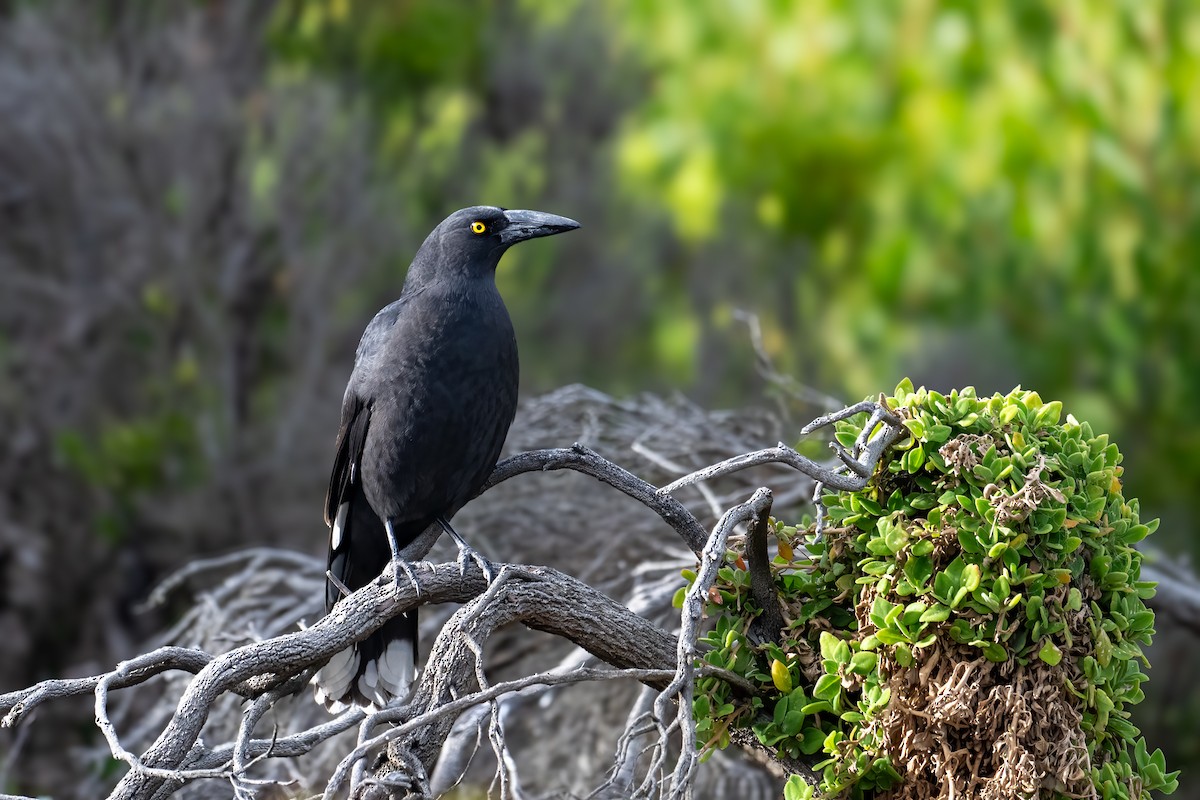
(259, 600)
(535, 713)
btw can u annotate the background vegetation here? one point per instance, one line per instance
(202, 203)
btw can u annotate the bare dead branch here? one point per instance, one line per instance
(585, 460)
(452, 708)
(291, 746)
(554, 602)
(883, 429)
(765, 366)
(129, 673)
(565, 608)
(255, 557)
(681, 687)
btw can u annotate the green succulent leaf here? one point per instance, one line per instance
(996, 529)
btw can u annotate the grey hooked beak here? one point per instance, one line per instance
(524, 225)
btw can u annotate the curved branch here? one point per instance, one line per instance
(556, 603)
(882, 429)
(713, 558)
(583, 459)
(782, 454)
(127, 673)
(544, 600)
(296, 744)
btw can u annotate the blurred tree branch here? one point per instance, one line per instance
(1178, 594)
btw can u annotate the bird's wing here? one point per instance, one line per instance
(356, 414)
(374, 338)
(352, 436)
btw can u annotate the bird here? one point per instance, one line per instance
(424, 417)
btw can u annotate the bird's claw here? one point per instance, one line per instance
(465, 551)
(399, 565)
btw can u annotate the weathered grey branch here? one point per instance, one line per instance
(765, 366)
(606, 628)
(678, 694)
(541, 598)
(883, 429)
(254, 555)
(291, 746)
(128, 673)
(437, 714)
(883, 426)
(582, 459)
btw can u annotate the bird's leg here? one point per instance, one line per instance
(465, 551)
(391, 537)
(399, 563)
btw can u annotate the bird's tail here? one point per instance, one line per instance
(373, 672)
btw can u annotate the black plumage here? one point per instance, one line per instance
(430, 400)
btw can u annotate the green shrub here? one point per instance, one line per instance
(973, 618)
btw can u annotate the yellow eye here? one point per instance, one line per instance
(478, 227)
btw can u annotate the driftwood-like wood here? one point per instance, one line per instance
(399, 747)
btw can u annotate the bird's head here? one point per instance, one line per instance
(473, 239)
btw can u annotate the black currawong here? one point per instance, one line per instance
(431, 398)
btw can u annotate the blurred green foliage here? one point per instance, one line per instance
(971, 193)
(985, 194)
(1023, 170)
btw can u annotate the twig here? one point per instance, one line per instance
(458, 705)
(882, 429)
(679, 692)
(585, 460)
(174, 775)
(243, 760)
(766, 368)
(129, 673)
(297, 744)
(710, 497)
(255, 555)
(782, 454)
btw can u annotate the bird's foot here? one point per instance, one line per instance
(465, 551)
(399, 565)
